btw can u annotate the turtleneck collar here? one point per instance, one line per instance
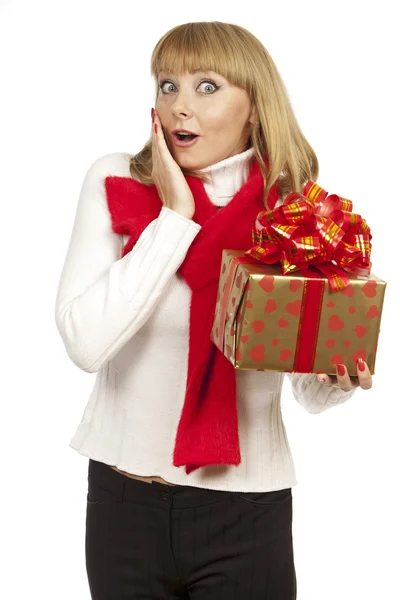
(227, 176)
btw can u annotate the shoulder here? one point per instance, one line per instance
(94, 189)
(113, 164)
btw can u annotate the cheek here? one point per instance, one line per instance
(162, 109)
(221, 122)
(227, 118)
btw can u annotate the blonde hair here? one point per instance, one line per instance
(240, 57)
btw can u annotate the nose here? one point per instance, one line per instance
(180, 112)
(181, 106)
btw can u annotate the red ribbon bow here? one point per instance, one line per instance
(314, 229)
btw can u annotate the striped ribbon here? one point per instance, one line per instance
(317, 230)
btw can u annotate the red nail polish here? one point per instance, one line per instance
(341, 370)
(152, 114)
(360, 364)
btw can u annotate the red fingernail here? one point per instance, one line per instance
(155, 127)
(341, 370)
(152, 114)
(360, 364)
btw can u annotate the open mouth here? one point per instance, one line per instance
(184, 141)
(185, 137)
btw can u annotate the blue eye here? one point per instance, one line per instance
(211, 83)
(161, 85)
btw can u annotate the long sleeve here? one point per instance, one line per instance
(102, 299)
(314, 395)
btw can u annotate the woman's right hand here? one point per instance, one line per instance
(171, 184)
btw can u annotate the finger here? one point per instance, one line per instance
(159, 135)
(163, 157)
(156, 124)
(329, 380)
(322, 377)
(364, 374)
(344, 380)
(155, 144)
(153, 128)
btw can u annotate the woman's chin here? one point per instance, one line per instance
(186, 162)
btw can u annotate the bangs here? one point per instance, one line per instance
(201, 47)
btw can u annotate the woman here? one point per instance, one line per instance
(126, 309)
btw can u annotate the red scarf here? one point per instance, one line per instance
(208, 429)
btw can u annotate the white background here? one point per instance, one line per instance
(76, 84)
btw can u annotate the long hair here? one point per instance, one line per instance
(239, 56)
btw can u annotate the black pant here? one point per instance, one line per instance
(157, 542)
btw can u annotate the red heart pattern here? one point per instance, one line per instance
(373, 312)
(293, 308)
(360, 330)
(258, 326)
(257, 353)
(330, 343)
(295, 284)
(369, 289)
(270, 306)
(348, 291)
(337, 359)
(282, 323)
(330, 304)
(352, 310)
(267, 283)
(238, 281)
(334, 323)
(284, 355)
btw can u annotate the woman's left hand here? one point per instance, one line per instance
(346, 383)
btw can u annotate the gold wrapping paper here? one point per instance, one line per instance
(258, 328)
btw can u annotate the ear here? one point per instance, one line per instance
(253, 115)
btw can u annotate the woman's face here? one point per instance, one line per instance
(206, 104)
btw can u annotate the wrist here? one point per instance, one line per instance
(184, 213)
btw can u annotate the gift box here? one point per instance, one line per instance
(318, 307)
(265, 320)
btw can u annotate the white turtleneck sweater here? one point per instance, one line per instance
(127, 320)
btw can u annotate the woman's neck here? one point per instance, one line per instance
(227, 176)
